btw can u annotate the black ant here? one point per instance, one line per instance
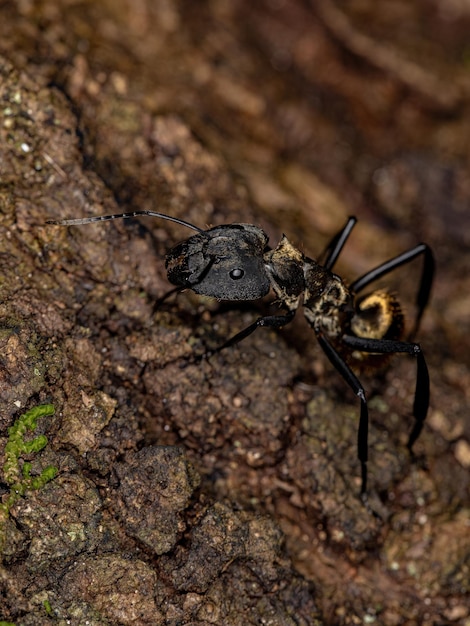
(233, 262)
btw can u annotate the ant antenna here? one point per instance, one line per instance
(103, 218)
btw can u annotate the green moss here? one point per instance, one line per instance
(47, 607)
(16, 475)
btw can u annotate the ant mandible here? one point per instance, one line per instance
(233, 262)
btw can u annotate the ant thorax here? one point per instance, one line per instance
(284, 266)
(328, 302)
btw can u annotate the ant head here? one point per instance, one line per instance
(225, 262)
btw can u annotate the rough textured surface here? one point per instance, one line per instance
(225, 491)
(155, 486)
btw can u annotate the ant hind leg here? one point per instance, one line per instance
(389, 346)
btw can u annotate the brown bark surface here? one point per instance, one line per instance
(226, 491)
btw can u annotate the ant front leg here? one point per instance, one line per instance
(162, 299)
(389, 346)
(268, 321)
(363, 432)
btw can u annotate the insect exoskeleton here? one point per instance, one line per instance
(232, 262)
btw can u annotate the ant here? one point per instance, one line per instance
(233, 262)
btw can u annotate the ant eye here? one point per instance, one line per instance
(236, 274)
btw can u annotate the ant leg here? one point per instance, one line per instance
(164, 298)
(352, 380)
(270, 321)
(336, 245)
(388, 346)
(425, 284)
